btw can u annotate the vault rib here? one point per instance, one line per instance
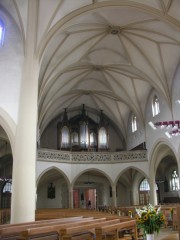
(129, 100)
(20, 22)
(49, 62)
(149, 31)
(51, 19)
(71, 51)
(148, 61)
(41, 99)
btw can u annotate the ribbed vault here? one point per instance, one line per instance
(107, 55)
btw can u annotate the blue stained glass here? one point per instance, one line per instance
(1, 31)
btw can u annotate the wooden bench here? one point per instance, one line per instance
(62, 213)
(14, 231)
(42, 221)
(116, 228)
(53, 230)
(68, 233)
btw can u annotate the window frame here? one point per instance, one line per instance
(174, 180)
(155, 106)
(2, 32)
(134, 123)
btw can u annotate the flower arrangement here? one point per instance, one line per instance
(150, 219)
(171, 213)
(130, 213)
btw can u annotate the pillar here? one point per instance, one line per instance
(24, 156)
(153, 195)
(70, 197)
(114, 201)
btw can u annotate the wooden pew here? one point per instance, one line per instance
(61, 213)
(115, 228)
(178, 219)
(52, 230)
(12, 232)
(69, 232)
(41, 221)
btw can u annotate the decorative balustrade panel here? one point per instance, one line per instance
(130, 156)
(91, 157)
(51, 155)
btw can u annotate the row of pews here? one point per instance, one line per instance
(80, 224)
(66, 227)
(169, 211)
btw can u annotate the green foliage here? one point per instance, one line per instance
(150, 219)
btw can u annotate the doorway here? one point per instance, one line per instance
(81, 197)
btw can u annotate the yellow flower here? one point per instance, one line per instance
(150, 219)
(145, 217)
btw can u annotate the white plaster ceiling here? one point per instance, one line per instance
(107, 55)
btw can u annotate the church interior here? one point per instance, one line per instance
(89, 104)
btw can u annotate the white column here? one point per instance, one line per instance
(70, 197)
(153, 195)
(24, 159)
(114, 202)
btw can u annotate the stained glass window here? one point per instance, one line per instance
(174, 181)
(7, 187)
(134, 123)
(144, 186)
(1, 32)
(155, 106)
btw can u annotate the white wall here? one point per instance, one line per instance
(61, 196)
(11, 62)
(134, 138)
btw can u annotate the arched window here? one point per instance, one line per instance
(2, 30)
(6, 195)
(144, 186)
(155, 106)
(65, 137)
(134, 123)
(174, 181)
(144, 192)
(102, 138)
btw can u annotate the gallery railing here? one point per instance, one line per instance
(91, 157)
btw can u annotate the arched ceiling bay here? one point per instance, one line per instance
(109, 58)
(105, 54)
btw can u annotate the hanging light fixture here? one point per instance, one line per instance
(172, 127)
(88, 182)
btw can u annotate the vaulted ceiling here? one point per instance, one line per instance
(108, 55)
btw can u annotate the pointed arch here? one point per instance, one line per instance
(49, 169)
(8, 125)
(89, 170)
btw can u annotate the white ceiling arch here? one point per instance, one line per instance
(107, 55)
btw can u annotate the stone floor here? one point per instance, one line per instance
(167, 234)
